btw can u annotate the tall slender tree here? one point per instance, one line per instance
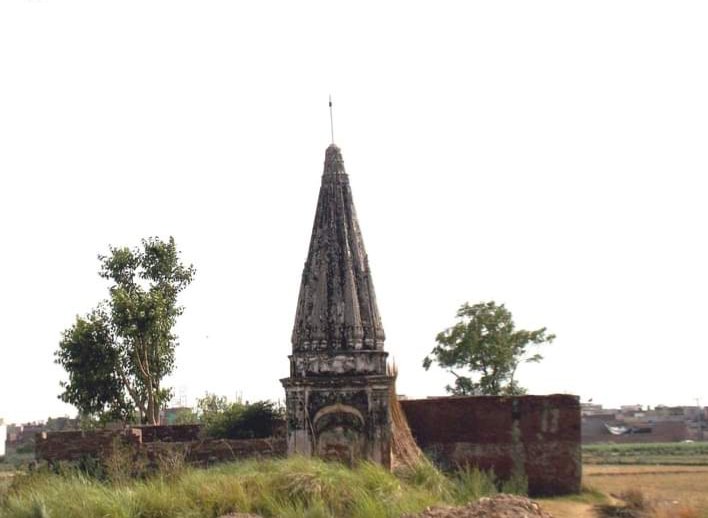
(118, 354)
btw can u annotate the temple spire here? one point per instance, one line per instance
(337, 305)
(338, 392)
(334, 163)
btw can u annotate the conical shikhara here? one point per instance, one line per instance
(338, 392)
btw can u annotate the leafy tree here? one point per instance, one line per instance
(211, 409)
(485, 342)
(118, 354)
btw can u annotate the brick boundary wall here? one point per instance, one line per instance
(154, 442)
(170, 433)
(212, 451)
(538, 436)
(73, 446)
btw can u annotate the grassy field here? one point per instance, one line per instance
(15, 459)
(12, 462)
(299, 488)
(684, 454)
(287, 488)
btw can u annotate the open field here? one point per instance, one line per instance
(673, 491)
(694, 454)
(668, 486)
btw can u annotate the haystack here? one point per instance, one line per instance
(405, 451)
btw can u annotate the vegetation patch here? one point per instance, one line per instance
(289, 488)
(671, 453)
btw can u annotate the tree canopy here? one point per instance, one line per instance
(117, 355)
(485, 344)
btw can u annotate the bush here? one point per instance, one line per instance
(237, 421)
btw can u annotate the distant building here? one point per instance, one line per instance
(18, 434)
(590, 409)
(630, 410)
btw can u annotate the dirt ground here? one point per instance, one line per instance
(674, 491)
(567, 509)
(499, 506)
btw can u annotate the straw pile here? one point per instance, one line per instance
(405, 451)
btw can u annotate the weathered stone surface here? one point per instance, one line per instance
(337, 394)
(337, 307)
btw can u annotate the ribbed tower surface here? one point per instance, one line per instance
(337, 395)
(336, 309)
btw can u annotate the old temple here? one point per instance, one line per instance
(337, 395)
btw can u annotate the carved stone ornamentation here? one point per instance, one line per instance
(337, 393)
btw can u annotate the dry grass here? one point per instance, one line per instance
(671, 491)
(5, 481)
(406, 453)
(568, 509)
(636, 491)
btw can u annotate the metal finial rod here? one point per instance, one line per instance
(331, 119)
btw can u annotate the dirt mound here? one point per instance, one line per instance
(499, 506)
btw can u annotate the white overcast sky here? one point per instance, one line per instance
(548, 155)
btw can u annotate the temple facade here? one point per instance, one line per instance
(337, 395)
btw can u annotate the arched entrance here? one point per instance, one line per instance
(339, 433)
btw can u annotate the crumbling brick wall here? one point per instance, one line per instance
(538, 436)
(212, 451)
(170, 433)
(73, 446)
(154, 442)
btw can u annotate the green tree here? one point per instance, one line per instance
(211, 409)
(486, 344)
(118, 354)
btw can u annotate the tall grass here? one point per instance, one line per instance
(289, 488)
